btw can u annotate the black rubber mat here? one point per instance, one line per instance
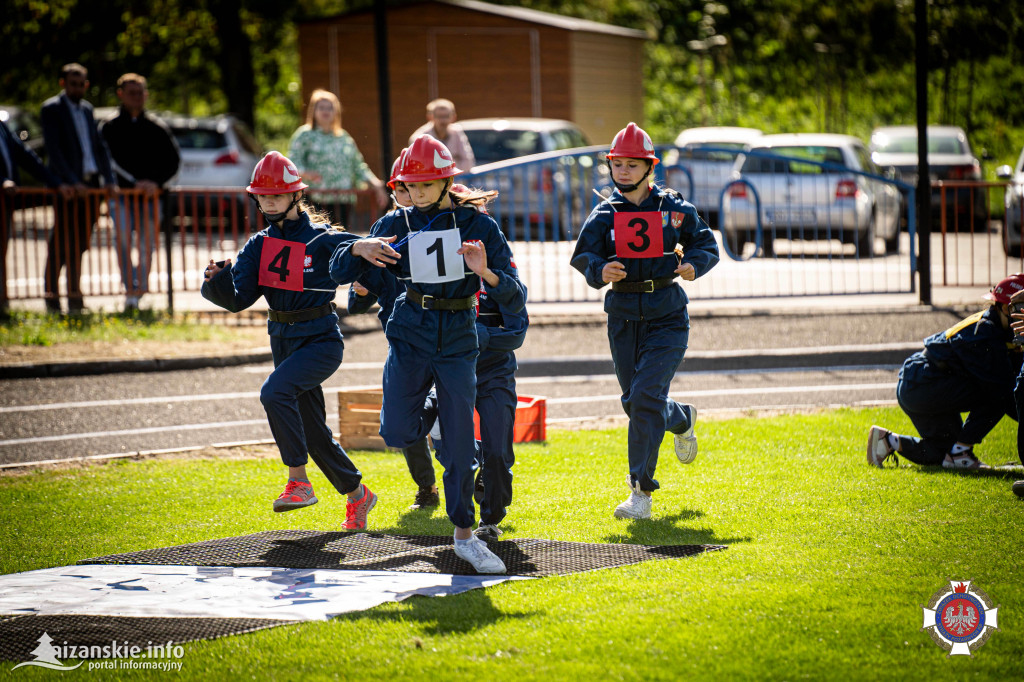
(411, 553)
(19, 635)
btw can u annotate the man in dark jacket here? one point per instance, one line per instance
(78, 157)
(145, 157)
(13, 153)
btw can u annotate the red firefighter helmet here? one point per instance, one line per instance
(633, 143)
(1006, 288)
(427, 159)
(396, 168)
(275, 174)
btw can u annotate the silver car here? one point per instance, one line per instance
(1013, 242)
(537, 184)
(701, 164)
(894, 150)
(800, 186)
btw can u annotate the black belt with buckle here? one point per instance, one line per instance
(304, 315)
(645, 287)
(428, 302)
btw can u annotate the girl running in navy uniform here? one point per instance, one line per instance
(383, 288)
(288, 264)
(639, 240)
(441, 248)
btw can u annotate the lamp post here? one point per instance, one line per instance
(703, 48)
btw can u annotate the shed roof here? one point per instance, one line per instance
(523, 14)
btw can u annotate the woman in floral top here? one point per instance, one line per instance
(328, 158)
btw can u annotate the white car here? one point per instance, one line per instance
(701, 166)
(217, 153)
(1013, 242)
(800, 186)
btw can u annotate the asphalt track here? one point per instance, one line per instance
(739, 362)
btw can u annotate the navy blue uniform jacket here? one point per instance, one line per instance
(977, 348)
(596, 247)
(236, 288)
(20, 154)
(449, 332)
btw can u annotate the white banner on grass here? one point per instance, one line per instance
(219, 592)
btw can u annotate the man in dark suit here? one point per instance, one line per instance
(13, 153)
(78, 156)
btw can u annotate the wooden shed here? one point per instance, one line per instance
(490, 60)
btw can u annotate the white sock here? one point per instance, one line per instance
(894, 441)
(957, 449)
(464, 542)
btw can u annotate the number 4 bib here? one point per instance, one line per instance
(281, 263)
(638, 235)
(434, 257)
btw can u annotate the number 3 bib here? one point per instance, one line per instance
(434, 257)
(638, 235)
(281, 263)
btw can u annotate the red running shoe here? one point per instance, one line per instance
(355, 512)
(296, 494)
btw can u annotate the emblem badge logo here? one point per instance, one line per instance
(960, 618)
(440, 161)
(307, 262)
(290, 174)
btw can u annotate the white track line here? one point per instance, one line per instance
(134, 432)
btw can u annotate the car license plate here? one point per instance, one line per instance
(791, 216)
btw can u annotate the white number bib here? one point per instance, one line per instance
(434, 258)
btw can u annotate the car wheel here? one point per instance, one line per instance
(866, 240)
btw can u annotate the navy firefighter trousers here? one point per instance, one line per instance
(409, 372)
(294, 401)
(646, 355)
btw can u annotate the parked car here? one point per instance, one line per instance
(217, 153)
(537, 194)
(707, 155)
(806, 191)
(894, 150)
(1013, 241)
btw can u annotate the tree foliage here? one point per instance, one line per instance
(781, 65)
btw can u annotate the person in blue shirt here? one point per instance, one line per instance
(443, 249)
(1017, 326)
(288, 263)
(639, 240)
(971, 367)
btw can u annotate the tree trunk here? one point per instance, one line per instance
(235, 59)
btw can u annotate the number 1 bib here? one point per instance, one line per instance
(434, 257)
(281, 263)
(638, 235)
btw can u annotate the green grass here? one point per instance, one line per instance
(829, 560)
(23, 328)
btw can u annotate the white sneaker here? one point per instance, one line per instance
(636, 506)
(131, 303)
(686, 442)
(965, 460)
(475, 551)
(879, 448)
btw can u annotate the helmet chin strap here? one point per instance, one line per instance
(277, 218)
(626, 189)
(440, 197)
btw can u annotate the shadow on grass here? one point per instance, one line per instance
(662, 530)
(1010, 474)
(422, 522)
(456, 614)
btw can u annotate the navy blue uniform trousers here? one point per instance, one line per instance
(294, 401)
(646, 355)
(496, 404)
(934, 400)
(409, 373)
